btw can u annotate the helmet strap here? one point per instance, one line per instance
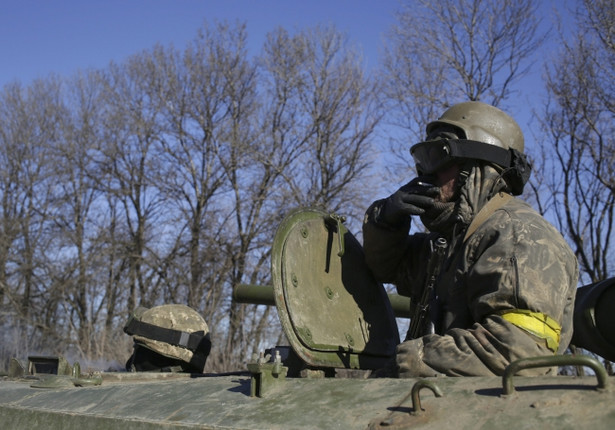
(517, 175)
(195, 341)
(464, 173)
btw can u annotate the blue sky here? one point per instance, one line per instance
(40, 37)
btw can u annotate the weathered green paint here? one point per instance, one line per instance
(155, 401)
(263, 295)
(324, 300)
(255, 294)
(556, 360)
(333, 312)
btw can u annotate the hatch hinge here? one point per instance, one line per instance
(266, 374)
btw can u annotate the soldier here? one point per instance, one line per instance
(506, 285)
(168, 338)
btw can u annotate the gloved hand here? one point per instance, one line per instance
(409, 360)
(414, 198)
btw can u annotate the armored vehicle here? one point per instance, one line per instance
(341, 326)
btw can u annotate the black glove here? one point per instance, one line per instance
(414, 198)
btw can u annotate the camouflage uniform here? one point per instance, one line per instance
(515, 260)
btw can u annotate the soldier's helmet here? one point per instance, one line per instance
(481, 122)
(170, 337)
(478, 131)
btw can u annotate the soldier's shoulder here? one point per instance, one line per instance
(520, 216)
(516, 208)
(528, 221)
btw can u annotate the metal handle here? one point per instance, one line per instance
(550, 361)
(337, 221)
(417, 409)
(402, 421)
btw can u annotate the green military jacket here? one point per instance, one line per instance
(515, 260)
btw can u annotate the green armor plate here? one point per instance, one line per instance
(333, 311)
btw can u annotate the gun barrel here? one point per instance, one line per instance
(254, 294)
(263, 295)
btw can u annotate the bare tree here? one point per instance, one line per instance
(579, 121)
(29, 119)
(339, 102)
(250, 182)
(578, 167)
(205, 150)
(305, 141)
(327, 113)
(163, 179)
(449, 51)
(80, 241)
(128, 162)
(190, 176)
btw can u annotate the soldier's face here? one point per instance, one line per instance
(447, 181)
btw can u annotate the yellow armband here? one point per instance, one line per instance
(536, 323)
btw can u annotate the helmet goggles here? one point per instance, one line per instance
(432, 155)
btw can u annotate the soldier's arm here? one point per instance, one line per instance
(384, 245)
(514, 265)
(391, 254)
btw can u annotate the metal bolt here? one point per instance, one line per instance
(349, 339)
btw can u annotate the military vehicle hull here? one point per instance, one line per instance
(154, 401)
(340, 325)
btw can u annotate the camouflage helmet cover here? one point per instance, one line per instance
(483, 123)
(176, 317)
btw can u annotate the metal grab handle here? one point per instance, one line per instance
(417, 409)
(337, 221)
(550, 361)
(405, 421)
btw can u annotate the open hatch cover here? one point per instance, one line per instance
(332, 310)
